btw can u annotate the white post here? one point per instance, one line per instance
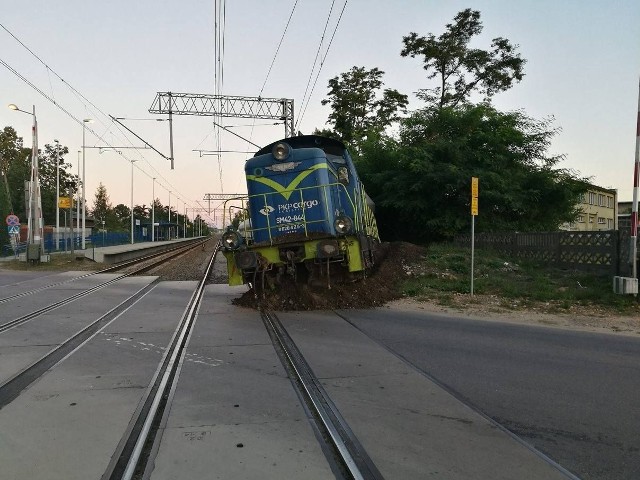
(634, 205)
(57, 235)
(78, 200)
(132, 200)
(153, 210)
(169, 209)
(473, 223)
(84, 201)
(35, 217)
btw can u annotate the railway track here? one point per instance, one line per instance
(348, 455)
(11, 388)
(137, 448)
(208, 388)
(137, 266)
(133, 451)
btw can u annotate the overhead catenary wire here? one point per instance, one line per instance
(273, 61)
(76, 119)
(219, 34)
(301, 116)
(315, 60)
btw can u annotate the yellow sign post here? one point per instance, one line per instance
(64, 202)
(474, 213)
(474, 196)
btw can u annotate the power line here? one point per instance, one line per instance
(78, 94)
(219, 34)
(278, 48)
(80, 122)
(315, 60)
(322, 62)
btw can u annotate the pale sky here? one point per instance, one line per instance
(583, 68)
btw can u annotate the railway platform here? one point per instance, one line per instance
(121, 253)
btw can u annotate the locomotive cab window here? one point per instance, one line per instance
(343, 175)
(336, 159)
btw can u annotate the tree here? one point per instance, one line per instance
(141, 211)
(123, 215)
(421, 181)
(47, 159)
(15, 168)
(158, 210)
(103, 210)
(356, 110)
(460, 69)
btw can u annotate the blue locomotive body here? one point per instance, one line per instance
(305, 206)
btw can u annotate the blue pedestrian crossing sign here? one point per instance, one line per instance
(13, 229)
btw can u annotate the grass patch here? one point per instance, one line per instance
(446, 270)
(61, 262)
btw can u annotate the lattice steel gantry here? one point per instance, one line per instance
(226, 106)
(223, 106)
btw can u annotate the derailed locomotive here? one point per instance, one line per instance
(306, 215)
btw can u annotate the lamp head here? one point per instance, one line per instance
(13, 106)
(88, 120)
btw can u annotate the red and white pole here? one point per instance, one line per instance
(634, 205)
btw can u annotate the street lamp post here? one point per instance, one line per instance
(169, 208)
(57, 235)
(35, 223)
(77, 202)
(132, 161)
(153, 210)
(84, 200)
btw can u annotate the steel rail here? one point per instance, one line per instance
(11, 389)
(353, 460)
(130, 460)
(106, 270)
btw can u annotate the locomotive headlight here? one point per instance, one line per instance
(343, 224)
(231, 240)
(281, 151)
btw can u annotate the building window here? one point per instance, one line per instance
(580, 218)
(601, 200)
(592, 198)
(601, 220)
(591, 218)
(610, 223)
(609, 202)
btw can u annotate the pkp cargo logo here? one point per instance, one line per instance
(267, 210)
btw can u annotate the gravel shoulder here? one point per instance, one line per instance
(486, 308)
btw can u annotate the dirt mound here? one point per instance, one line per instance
(379, 287)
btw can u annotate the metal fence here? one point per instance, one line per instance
(65, 244)
(599, 252)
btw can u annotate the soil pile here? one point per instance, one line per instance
(379, 287)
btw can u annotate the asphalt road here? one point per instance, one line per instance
(573, 395)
